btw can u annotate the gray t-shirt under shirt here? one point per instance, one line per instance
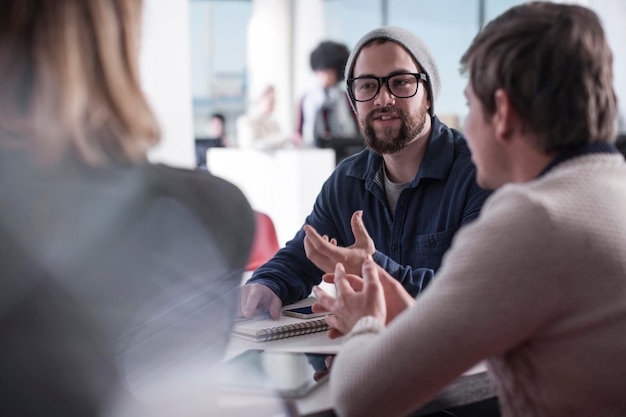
(392, 191)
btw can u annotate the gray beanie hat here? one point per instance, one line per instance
(414, 45)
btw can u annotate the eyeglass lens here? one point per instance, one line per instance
(400, 85)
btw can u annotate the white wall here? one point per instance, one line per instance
(282, 184)
(165, 70)
(309, 30)
(269, 54)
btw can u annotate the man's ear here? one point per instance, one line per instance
(504, 118)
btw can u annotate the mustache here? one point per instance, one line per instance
(387, 109)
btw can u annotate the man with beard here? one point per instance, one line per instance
(412, 188)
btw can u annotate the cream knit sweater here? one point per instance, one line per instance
(537, 285)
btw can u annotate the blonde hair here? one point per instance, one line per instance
(69, 81)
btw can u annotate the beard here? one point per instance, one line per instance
(392, 140)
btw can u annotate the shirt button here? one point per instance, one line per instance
(432, 243)
(394, 247)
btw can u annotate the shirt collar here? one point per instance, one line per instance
(587, 149)
(439, 155)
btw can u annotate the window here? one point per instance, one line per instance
(218, 60)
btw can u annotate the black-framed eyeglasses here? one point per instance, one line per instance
(403, 85)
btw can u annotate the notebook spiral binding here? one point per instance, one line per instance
(296, 329)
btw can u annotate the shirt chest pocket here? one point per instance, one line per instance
(431, 247)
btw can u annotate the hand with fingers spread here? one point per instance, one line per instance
(325, 254)
(355, 281)
(257, 299)
(397, 298)
(351, 305)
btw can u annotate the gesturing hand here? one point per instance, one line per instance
(397, 299)
(351, 305)
(325, 253)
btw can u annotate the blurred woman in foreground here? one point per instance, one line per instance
(119, 277)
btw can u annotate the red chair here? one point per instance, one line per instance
(265, 243)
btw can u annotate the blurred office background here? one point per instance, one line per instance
(205, 56)
(215, 56)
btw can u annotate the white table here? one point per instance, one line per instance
(471, 387)
(319, 399)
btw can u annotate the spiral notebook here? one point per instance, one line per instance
(265, 329)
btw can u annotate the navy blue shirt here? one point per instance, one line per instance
(442, 197)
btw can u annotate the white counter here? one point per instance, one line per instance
(281, 183)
